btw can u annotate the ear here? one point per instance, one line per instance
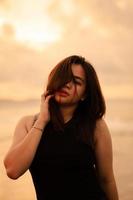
(83, 98)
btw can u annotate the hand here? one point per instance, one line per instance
(44, 107)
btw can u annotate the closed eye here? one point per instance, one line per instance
(77, 82)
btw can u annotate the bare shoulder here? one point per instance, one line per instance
(25, 121)
(29, 120)
(101, 130)
(103, 151)
(101, 123)
(22, 128)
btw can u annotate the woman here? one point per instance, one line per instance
(67, 145)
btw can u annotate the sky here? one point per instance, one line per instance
(36, 35)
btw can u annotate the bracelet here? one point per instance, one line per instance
(38, 128)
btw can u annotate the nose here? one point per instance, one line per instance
(68, 85)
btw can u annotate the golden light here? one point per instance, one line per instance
(32, 34)
(121, 4)
(2, 21)
(37, 36)
(86, 22)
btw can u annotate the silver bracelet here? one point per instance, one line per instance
(38, 128)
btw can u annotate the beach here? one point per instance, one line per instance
(22, 188)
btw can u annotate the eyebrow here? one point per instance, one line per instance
(77, 77)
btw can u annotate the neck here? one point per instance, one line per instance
(67, 112)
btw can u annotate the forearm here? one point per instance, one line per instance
(20, 157)
(110, 189)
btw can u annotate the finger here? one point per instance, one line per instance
(46, 93)
(42, 96)
(49, 96)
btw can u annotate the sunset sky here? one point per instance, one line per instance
(36, 34)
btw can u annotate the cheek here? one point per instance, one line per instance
(80, 91)
(75, 92)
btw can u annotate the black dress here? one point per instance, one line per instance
(64, 167)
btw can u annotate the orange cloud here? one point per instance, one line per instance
(5, 4)
(102, 33)
(8, 31)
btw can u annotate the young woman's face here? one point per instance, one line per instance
(73, 91)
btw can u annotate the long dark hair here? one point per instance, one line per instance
(87, 111)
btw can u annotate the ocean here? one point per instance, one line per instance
(119, 118)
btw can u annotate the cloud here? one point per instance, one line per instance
(23, 69)
(102, 30)
(7, 31)
(106, 16)
(5, 4)
(19, 63)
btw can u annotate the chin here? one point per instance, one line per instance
(61, 99)
(65, 102)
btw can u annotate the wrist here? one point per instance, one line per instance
(40, 123)
(41, 118)
(40, 129)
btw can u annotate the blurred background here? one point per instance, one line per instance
(34, 37)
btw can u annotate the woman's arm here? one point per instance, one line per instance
(104, 160)
(23, 148)
(25, 143)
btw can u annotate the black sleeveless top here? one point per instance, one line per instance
(64, 167)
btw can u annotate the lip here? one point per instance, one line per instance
(63, 93)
